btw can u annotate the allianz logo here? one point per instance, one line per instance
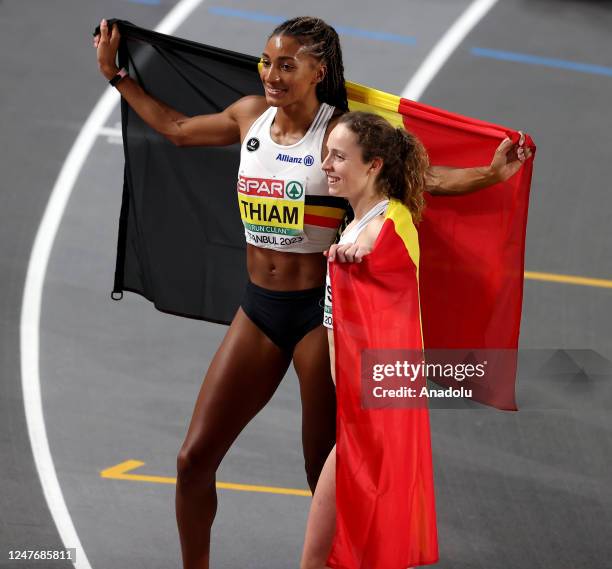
(308, 160)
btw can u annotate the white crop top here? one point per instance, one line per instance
(283, 194)
(349, 236)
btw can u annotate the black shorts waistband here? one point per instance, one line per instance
(290, 294)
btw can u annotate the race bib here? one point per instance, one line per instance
(272, 210)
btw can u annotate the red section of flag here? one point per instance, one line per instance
(471, 288)
(321, 221)
(473, 245)
(385, 496)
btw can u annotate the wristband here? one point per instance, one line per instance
(120, 75)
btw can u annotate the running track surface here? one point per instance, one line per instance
(119, 380)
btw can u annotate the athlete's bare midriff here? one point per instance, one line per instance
(279, 270)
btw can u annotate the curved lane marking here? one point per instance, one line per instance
(32, 299)
(445, 47)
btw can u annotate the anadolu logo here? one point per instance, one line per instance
(252, 144)
(294, 190)
(308, 160)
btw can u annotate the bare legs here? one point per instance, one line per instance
(321, 519)
(321, 523)
(311, 361)
(322, 516)
(242, 377)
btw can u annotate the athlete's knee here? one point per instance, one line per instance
(196, 463)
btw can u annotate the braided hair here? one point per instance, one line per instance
(322, 42)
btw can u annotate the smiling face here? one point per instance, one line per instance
(348, 176)
(288, 74)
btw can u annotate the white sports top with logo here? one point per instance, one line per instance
(349, 236)
(283, 194)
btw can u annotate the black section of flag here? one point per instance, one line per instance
(181, 241)
(328, 201)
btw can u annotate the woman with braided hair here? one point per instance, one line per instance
(283, 136)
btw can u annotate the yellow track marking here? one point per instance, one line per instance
(123, 470)
(264, 489)
(120, 472)
(568, 279)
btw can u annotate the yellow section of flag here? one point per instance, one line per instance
(362, 98)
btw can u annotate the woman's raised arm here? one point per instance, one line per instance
(216, 129)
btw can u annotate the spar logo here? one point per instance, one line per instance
(263, 187)
(295, 190)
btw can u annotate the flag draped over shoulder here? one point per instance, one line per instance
(384, 479)
(181, 245)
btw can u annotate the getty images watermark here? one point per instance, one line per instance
(411, 371)
(412, 378)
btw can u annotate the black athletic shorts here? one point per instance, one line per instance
(285, 316)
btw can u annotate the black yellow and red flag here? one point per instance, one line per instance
(181, 245)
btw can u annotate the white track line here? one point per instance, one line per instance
(32, 299)
(108, 131)
(445, 47)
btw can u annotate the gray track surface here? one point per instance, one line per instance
(119, 380)
(48, 88)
